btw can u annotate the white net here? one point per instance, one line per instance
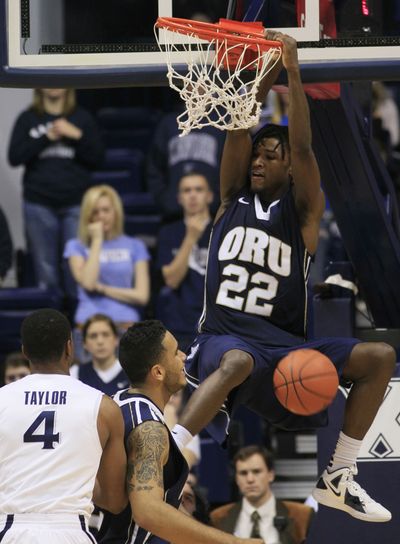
(221, 82)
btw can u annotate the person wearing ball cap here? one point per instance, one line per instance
(264, 237)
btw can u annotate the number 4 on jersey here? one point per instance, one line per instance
(49, 437)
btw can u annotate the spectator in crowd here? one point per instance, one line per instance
(384, 107)
(111, 268)
(103, 372)
(259, 513)
(188, 501)
(15, 367)
(171, 157)
(182, 258)
(194, 502)
(389, 155)
(58, 143)
(6, 247)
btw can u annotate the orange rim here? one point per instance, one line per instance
(212, 31)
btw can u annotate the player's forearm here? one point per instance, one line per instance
(300, 137)
(170, 524)
(175, 272)
(268, 81)
(235, 163)
(113, 502)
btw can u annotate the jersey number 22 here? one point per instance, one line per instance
(255, 300)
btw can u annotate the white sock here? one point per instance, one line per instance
(346, 452)
(181, 436)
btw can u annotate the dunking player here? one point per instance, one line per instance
(157, 471)
(263, 238)
(57, 434)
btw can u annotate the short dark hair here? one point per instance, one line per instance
(248, 451)
(44, 335)
(94, 319)
(281, 133)
(141, 348)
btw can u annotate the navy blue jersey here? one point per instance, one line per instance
(87, 374)
(258, 266)
(182, 307)
(137, 409)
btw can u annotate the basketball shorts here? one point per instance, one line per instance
(44, 529)
(256, 392)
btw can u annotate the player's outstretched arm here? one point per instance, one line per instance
(310, 201)
(148, 449)
(238, 144)
(110, 492)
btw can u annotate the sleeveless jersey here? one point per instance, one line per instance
(257, 271)
(136, 409)
(50, 448)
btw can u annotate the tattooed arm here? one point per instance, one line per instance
(148, 450)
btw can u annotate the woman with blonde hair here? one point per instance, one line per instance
(111, 268)
(59, 143)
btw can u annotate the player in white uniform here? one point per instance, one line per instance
(60, 440)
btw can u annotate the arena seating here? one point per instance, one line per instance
(128, 127)
(15, 305)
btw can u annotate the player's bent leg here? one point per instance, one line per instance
(370, 367)
(236, 365)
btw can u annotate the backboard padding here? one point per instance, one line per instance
(46, 57)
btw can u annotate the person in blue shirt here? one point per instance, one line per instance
(111, 268)
(182, 258)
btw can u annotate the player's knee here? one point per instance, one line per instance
(370, 358)
(387, 357)
(235, 367)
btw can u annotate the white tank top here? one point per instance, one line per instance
(49, 448)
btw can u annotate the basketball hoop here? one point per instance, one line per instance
(226, 62)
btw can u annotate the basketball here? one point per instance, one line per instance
(305, 382)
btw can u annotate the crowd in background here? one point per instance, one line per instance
(75, 228)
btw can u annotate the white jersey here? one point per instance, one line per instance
(50, 448)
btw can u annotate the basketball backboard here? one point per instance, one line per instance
(95, 43)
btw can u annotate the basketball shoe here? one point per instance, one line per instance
(337, 489)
